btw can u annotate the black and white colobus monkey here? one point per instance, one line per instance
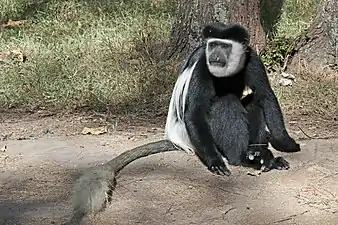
(205, 113)
(205, 116)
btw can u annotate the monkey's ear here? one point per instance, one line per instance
(206, 32)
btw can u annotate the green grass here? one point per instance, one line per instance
(83, 53)
(296, 17)
(99, 54)
(314, 94)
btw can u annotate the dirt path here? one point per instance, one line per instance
(169, 188)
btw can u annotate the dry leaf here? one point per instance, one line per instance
(95, 130)
(18, 54)
(255, 173)
(14, 54)
(13, 23)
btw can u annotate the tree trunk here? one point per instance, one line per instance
(194, 14)
(319, 47)
(247, 13)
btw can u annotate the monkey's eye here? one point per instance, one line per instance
(212, 44)
(225, 45)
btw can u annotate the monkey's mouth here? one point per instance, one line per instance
(217, 63)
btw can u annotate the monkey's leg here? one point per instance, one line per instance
(229, 125)
(258, 153)
(260, 157)
(256, 78)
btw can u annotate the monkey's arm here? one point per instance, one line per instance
(198, 129)
(200, 136)
(257, 80)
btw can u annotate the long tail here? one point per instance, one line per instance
(93, 190)
(129, 156)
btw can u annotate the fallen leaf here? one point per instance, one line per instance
(14, 54)
(18, 53)
(95, 130)
(12, 23)
(255, 174)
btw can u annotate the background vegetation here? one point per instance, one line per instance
(101, 55)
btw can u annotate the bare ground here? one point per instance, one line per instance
(45, 154)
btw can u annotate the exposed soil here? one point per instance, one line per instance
(45, 154)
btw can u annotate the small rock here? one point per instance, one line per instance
(95, 131)
(288, 76)
(47, 130)
(285, 82)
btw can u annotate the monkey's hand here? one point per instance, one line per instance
(216, 165)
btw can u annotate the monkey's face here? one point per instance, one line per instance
(224, 57)
(219, 53)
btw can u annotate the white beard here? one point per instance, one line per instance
(236, 59)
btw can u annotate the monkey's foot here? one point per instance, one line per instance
(265, 160)
(278, 163)
(281, 163)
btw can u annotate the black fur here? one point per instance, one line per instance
(216, 121)
(226, 31)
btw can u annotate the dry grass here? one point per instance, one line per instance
(99, 55)
(314, 94)
(83, 53)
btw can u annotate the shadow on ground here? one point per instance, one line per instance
(169, 188)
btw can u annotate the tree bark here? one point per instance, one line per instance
(319, 47)
(193, 15)
(247, 13)
(271, 11)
